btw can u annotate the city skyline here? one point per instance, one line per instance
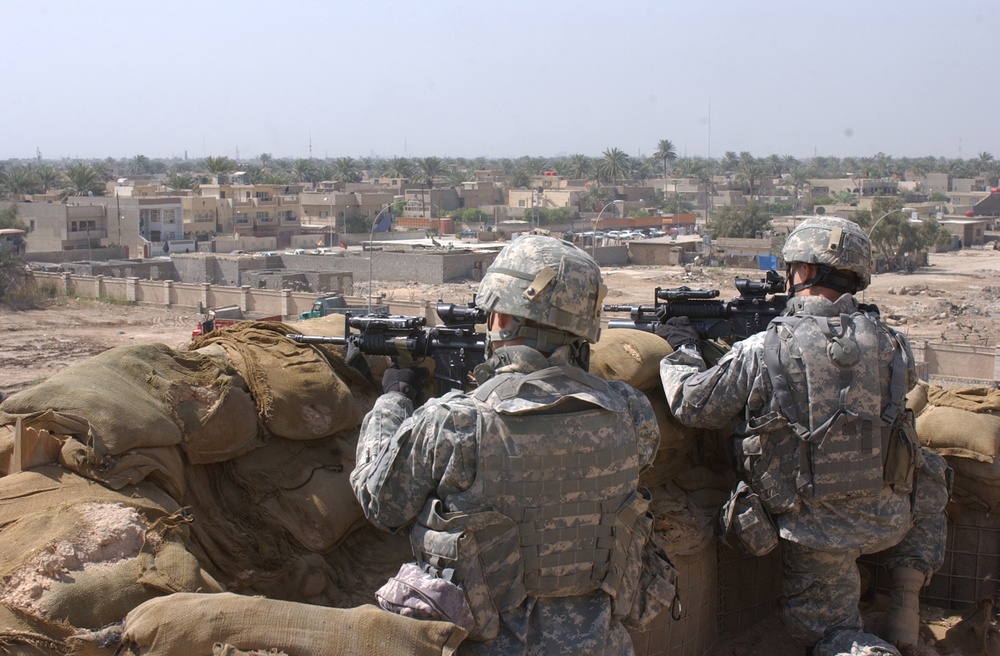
(463, 79)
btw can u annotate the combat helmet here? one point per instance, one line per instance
(549, 282)
(836, 244)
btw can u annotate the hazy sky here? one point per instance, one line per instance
(499, 78)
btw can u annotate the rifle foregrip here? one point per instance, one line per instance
(316, 339)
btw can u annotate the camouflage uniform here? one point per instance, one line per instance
(491, 451)
(821, 539)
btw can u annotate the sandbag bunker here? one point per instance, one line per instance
(161, 501)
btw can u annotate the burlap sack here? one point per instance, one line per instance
(302, 392)
(72, 551)
(632, 356)
(303, 488)
(191, 624)
(952, 431)
(147, 395)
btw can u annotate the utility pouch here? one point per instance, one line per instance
(482, 548)
(901, 456)
(744, 516)
(769, 459)
(633, 526)
(657, 590)
(426, 594)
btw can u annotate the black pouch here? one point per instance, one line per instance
(744, 516)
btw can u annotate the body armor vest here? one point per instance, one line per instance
(828, 390)
(558, 464)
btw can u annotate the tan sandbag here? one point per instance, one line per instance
(303, 488)
(951, 431)
(970, 399)
(302, 392)
(85, 561)
(145, 395)
(676, 441)
(916, 398)
(191, 624)
(629, 355)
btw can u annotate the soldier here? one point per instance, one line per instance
(525, 490)
(825, 445)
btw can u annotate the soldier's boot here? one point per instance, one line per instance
(902, 620)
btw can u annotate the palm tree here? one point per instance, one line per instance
(140, 165)
(580, 167)
(729, 163)
(985, 159)
(458, 176)
(614, 166)
(219, 165)
(265, 159)
(751, 172)
(399, 167)
(22, 180)
(430, 168)
(81, 180)
(666, 153)
(305, 170)
(48, 177)
(182, 181)
(346, 169)
(799, 178)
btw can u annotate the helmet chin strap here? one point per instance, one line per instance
(825, 276)
(540, 338)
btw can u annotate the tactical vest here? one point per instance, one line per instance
(554, 509)
(831, 419)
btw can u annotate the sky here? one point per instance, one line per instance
(498, 78)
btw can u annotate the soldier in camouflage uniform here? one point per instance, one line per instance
(525, 490)
(825, 443)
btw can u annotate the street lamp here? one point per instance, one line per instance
(879, 220)
(333, 219)
(371, 253)
(597, 221)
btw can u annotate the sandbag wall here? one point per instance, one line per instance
(223, 468)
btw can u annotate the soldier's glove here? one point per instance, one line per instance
(406, 380)
(679, 332)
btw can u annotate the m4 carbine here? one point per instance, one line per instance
(455, 345)
(730, 321)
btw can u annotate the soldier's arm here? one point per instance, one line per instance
(402, 459)
(711, 398)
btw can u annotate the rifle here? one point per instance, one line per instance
(731, 321)
(455, 345)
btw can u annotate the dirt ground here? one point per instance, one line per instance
(955, 298)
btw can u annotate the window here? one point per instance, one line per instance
(263, 195)
(168, 216)
(263, 215)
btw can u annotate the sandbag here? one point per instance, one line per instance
(951, 431)
(191, 624)
(74, 552)
(301, 392)
(629, 355)
(303, 488)
(145, 395)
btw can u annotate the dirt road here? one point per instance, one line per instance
(956, 298)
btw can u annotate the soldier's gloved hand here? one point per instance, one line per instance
(405, 380)
(678, 332)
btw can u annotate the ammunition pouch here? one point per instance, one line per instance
(657, 590)
(633, 527)
(769, 458)
(744, 516)
(902, 455)
(482, 548)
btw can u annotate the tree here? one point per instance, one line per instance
(747, 221)
(430, 168)
(10, 260)
(22, 180)
(580, 167)
(265, 160)
(399, 167)
(140, 165)
(81, 180)
(894, 238)
(219, 165)
(750, 171)
(305, 170)
(458, 176)
(614, 167)
(346, 169)
(666, 153)
(182, 181)
(595, 198)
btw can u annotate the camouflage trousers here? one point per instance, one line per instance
(822, 588)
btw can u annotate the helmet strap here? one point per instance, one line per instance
(826, 276)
